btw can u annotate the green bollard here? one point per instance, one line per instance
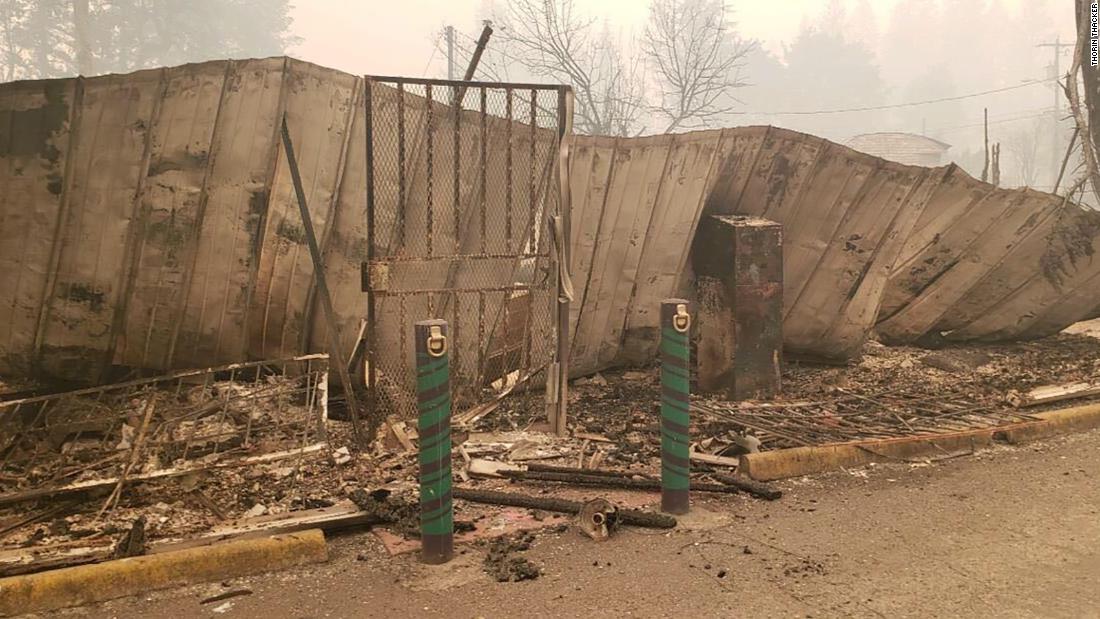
(675, 406)
(433, 396)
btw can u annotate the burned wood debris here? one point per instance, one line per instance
(272, 469)
(169, 426)
(164, 457)
(625, 516)
(503, 562)
(611, 481)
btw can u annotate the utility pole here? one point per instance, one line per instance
(450, 52)
(1055, 116)
(985, 124)
(479, 49)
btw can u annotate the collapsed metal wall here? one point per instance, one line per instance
(148, 220)
(637, 203)
(869, 244)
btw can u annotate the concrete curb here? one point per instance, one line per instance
(798, 461)
(87, 584)
(1061, 421)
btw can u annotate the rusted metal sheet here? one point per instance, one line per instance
(170, 206)
(677, 208)
(213, 303)
(36, 122)
(146, 221)
(85, 301)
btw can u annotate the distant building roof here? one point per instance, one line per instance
(907, 148)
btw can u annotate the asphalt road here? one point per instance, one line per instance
(1011, 532)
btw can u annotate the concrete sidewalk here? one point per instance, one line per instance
(1010, 532)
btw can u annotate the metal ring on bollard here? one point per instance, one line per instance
(682, 319)
(437, 342)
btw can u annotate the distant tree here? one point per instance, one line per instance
(36, 38)
(914, 39)
(691, 52)
(51, 38)
(696, 59)
(825, 71)
(765, 86)
(861, 25)
(934, 82)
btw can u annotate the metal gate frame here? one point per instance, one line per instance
(547, 239)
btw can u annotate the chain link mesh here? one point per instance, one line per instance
(464, 181)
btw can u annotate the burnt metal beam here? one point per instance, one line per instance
(738, 262)
(331, 319)
(632, 517)
(614, 482)
(757, 489)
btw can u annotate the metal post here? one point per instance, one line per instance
(433, 396)
(334, 343)
(675, 406)
(563, 239)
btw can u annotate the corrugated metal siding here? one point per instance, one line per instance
(845, 215)
(994, 264)
(148, 220)
(868, 244)
(165, 235)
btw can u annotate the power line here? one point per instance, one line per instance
(435, 48)
(497, 50)
(992, 122)
(899, 105)
(485, 67)
(1003, 118)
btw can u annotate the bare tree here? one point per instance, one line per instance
(1023, 145)
(696, 58)
(550, 39)
(1085, 106)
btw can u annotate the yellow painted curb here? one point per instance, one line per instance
(1061, 421)
(86, 584)
(798, 461)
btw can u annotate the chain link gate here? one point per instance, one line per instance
(463, 189)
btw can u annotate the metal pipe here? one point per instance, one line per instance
(675, 407)
(433, 397)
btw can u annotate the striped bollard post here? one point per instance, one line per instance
(433, 397)
(675, 406)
